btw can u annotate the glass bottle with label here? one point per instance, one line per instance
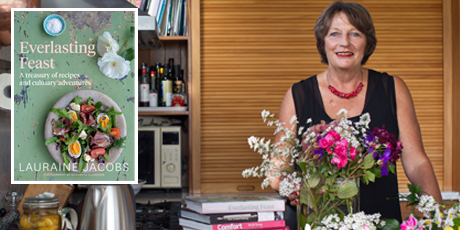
(166, 86)
(178, 98)
(153, 94)
(144, 87)
(176, 78)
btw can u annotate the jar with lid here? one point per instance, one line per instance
(40, 214)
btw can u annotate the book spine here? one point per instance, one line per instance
(238, 207)
(250, 225)
(245, 217)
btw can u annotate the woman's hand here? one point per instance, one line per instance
(293, 198)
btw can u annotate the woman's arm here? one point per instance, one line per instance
(416, 163)
(287, 110)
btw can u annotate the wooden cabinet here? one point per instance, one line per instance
(178, 48)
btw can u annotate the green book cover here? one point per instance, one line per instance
(74, 86)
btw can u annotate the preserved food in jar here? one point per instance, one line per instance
(40, 214)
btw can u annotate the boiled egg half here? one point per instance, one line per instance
(103, 120)
(74, 149)
(74, 115)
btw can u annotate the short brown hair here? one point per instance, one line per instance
(358, 16)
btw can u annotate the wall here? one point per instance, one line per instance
(253, 51)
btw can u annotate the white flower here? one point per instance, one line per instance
(113, 66)
(105, 43)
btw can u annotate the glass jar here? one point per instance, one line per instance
(40, 214)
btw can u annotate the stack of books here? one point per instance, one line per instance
(233, 212)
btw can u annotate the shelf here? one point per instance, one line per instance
(173, 38)
(162, 111)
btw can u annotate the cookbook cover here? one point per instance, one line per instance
(74, 111)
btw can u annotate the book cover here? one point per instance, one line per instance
(234, 204)
(74, 114)
(247, 225)
(221, 218)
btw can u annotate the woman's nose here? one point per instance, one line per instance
(344, 40)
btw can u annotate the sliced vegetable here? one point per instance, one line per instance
(85, 108)
(95, 153)
(115, 132)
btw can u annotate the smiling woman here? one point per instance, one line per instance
(345, 37)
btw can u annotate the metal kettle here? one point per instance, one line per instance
(108, 207)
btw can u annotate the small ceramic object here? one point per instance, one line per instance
(54, 24)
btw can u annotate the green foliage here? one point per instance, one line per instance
(390, 224)
(348, 190)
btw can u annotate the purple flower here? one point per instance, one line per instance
(319, 153)
(383, 162)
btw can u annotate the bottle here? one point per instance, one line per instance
(159, 86)
(144, 87)
(158, 78)
(178, 98)
(166, 86)
(184, 87)
(176, 78)
(153, 94)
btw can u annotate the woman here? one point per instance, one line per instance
(345, 37)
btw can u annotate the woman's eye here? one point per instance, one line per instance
(333, 34)
(355, 34)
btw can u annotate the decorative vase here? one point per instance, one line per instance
(321, 197)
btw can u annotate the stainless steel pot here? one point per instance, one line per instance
(108, 207)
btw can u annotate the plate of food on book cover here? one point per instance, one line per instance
(85, 131)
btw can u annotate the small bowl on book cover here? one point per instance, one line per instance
(54, 24)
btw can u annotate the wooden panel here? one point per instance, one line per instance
(253, 51)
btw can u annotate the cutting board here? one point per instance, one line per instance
(61, 191)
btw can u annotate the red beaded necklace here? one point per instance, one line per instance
(346, 95)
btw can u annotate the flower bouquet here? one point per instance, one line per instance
(431, 216)
(325, 164)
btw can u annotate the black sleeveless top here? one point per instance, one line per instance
(382, 195)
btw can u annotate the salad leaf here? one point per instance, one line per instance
(119, 143)
(81, 164)
(98, 105)
(71, 140)
(66, 160)
(90, 101)
(113, 112)
(59, 124)
(52, 140)
(106, 159)
(77, 100)
(61, 112)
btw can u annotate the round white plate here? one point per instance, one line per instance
(64, 102)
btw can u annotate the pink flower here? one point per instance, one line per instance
(410, 224)
(334, 135)
(352, 153)
(341, 148)
(326, 141)
(340, 161)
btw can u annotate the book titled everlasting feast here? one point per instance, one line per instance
(235, 204)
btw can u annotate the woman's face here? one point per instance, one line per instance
(345, 45)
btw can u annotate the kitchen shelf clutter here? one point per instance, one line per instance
(158, 47)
